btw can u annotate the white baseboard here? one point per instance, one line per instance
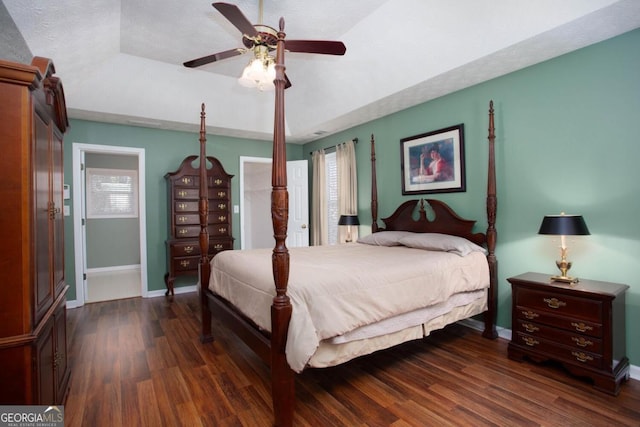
(634, 371)
(152, 294)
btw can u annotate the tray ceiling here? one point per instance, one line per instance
(121, 61)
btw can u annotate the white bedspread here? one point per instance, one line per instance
(336, 289)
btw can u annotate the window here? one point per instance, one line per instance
(331, 174)
(112, 193)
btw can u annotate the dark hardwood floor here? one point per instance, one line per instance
(139, 362)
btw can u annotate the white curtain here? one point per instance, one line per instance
(319, 227)
(347, 186)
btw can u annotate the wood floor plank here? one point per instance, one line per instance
(140, 362)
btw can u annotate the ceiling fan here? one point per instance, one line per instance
(261, 40)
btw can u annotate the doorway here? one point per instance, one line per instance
(109, 222)
(256, 229)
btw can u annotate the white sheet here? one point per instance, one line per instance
(336, 289)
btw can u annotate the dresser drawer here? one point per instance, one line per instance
(194, 218)
(558, 351)
(554, 320)
(560, 304)
(192, 247)
(184, 249)
(185, 263)
(194, 181)
(192, 206)
(579, 341)
(191, 231)
(183, 193)
(188, 219)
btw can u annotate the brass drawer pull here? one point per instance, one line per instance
(222, 206)
(188, 249)
(554, 302)
(182, 219)
(185, 263)
(581, 357)
(530, 327)
(222, 230)
(217, 246)
(530, 315)
(183, 231)
(182, 193)
(581, 327)
(581, 342)
(186, 180)
(222, 193)
(222, 218)
(531, 342)
(217, 181)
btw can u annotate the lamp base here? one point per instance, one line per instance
(564, 279)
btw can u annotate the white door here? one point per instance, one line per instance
(298, 187)
(256, 230)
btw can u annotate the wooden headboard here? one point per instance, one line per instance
(444, 221)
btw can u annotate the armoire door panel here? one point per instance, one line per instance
(43, 288)
(57, 175)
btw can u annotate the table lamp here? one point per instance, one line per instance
(348, 220)
(564, 225)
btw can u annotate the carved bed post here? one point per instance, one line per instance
(282, 377)
(492, 205)
(374, 188)
(203, 209)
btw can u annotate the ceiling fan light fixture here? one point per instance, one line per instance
(259, 73)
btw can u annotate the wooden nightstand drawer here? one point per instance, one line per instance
(559, 304)
(569, 339)
(560, 352)
(551, 319)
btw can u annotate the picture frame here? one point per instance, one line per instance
(442, 167)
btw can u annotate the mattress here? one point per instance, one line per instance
(340, 289)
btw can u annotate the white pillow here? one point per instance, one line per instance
(384, 238)
(441, 242)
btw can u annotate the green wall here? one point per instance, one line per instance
(566, 140)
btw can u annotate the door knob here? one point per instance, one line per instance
(304, 226)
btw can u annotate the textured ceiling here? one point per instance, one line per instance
(121, 61)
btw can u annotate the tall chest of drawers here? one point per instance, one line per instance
(183, 248)
(581, 325)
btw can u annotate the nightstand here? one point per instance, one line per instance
(581, 325)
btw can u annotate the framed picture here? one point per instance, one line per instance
(433, 162)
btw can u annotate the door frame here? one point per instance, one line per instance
(79, 150)
(244, 160)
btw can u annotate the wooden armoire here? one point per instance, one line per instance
(183, 248)
(33, 340)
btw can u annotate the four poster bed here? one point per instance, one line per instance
(331, 304)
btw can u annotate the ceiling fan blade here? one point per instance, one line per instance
(237, 18)
(212, 58)
(316, 46)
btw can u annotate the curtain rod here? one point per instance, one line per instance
(334, 146)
